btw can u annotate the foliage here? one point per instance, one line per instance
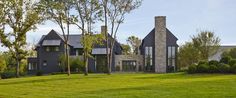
(59, 11)
(233, 68)
(8, 74)
(202, 46)
(232, 62)
(187, 55)
(135, 42)
(207, 44)
(3, 64)
(126, 49)
(39, 73)
(202, 68)
(225, 60)
(192, 69)
(114, 13)
(77, 64)
(224, 68)
(213, 62)
(231, 53)
(213, 69)
(88, 13)
(21, 16)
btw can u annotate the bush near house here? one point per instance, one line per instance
(226, 65)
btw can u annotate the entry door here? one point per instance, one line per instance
(129, 66)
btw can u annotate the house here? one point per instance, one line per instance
(51, 46)
(217, 55)
(157, 52)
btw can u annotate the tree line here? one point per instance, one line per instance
(22, 16)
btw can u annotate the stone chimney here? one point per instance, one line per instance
(160, 44)
(103, 29)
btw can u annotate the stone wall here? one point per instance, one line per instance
(138, 58)
(160, 44)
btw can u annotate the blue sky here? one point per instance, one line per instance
(184, 18)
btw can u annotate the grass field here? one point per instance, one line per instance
(178, 85)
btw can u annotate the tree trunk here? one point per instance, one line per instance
(67, 59)
(17, 68)
(86, 63)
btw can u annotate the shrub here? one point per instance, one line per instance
(192, 69)
(213, 62)
(233, 68)
(213, 69)
(202, 68)
(8, 74)
(232, 62)
(117, 68)
(225, 60)
(224, 68)
(202, 62)
(39, 73)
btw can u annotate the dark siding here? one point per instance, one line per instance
(52, 58)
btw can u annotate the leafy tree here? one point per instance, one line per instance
(3, 65)
(89, 12)
(59, 11)
(187, 55)
(231, 53)
(126, 49)
(207, 43)
(21, 16)
(114, 13)
(135, 42)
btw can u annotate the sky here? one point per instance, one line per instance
(185, 18)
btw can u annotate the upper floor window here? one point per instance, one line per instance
(52, 48)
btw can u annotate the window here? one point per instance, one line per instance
(32, 66)
(44, 63)
(52, 49)
(171, 57)
(56, 48)
(148, 58)
(47, 49)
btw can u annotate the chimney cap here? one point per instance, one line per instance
(160, 16)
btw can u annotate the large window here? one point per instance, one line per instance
(52, 48)
(32, 66)
(171, 57)
(148, 58)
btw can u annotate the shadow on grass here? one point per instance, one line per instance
(181, 76)
(38, 80)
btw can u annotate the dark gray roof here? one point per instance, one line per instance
(74, 40)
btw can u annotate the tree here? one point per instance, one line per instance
(231, 53)
(114, 13)
(207, 43)
(187, 55)
(135, 42)
(126, 49)
(59, 11)
(21, 16)
(3, 64)
(89, 12)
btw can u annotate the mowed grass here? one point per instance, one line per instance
(138, 85)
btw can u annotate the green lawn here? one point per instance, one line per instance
(178, 85)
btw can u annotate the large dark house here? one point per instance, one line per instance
(157, 53)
